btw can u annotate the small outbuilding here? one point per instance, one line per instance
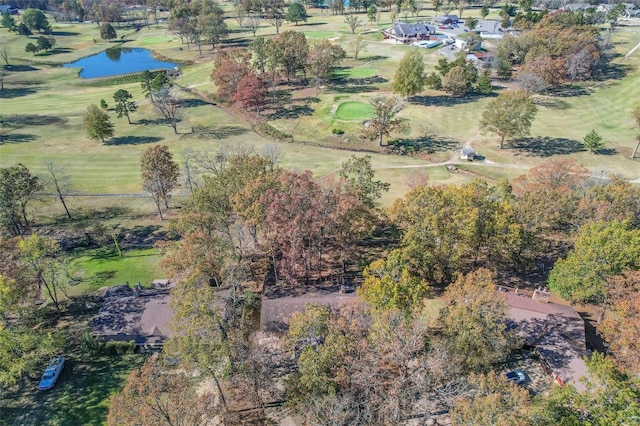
(468, 154)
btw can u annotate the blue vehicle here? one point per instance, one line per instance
(516, 376)
(52, 373)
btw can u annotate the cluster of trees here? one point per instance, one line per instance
(156, 87)
(31, 19)
(559, 48)
(250, 208)
(458, 78)
(42, 44)
(244, 75)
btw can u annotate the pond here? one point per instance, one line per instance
(118, 61)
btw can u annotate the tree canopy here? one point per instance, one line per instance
(509, 115)
(159, 174)
(98, 124)
(409, 77)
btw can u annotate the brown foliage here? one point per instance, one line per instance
(621, 326)
(156, 396)
(251, 92)
(230, 67)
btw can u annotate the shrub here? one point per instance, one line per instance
(115, 347)
(89, 344)
(337, 131)
(271, 131)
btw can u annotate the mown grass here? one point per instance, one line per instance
(354, 111)
(104, 267)
(80, 398)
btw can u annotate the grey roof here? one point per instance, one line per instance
(402, 29)
(127, 316)
(556, 330)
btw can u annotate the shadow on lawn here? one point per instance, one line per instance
(132, 140)
(15, 92)
(16, 138)
(427, 143)
(445, 100)
(547, 146)
(29, 120)
(295, 111)
(221, 132)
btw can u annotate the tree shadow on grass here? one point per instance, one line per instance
(221, 132)
(547, 146)
(607, 151)
(442, 100)
(28, 120)
(64, 33)
(132, 140)
(154, 122)
(20, 68)
(16, 138)
(15, 92)
(295, 111)
(353, 89)
(427, 143)
(551, 103)
(56, 51)
(192, 103)
(91, 215)
(374, 58)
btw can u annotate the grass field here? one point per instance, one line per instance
(354, 111)
(80, 398)
(104, 267)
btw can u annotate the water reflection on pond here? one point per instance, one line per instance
(118, 61)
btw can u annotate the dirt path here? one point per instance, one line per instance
(631, 52)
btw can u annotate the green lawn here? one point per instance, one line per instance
(80, 398)
(350, 111)
(104, 267)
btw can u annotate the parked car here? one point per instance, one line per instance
(52, 373)
(516, 376)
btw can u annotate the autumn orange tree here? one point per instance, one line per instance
(547, 197)
(154, 395)
(251, 92)
(230, 67)
(620, 325)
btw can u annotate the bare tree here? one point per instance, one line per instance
(272, 152)
(253, 23)
(169, 106)
(4, 54)
(531, 83)
(240, 15)
(61, 183)
(353, 21)
(358, 45)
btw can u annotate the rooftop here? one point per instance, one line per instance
(140, 314)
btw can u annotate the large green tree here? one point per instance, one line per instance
(159, 174)
(98, 124)
(107, 32)
(602, 250)
(36, 20)
(360, 179)
(296, 13)
(509, 115)
(17, 187)
(474, 322)
(451, 229)
(409, 77)
(388, 284)
(124, 105)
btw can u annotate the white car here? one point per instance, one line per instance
(51, 373)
